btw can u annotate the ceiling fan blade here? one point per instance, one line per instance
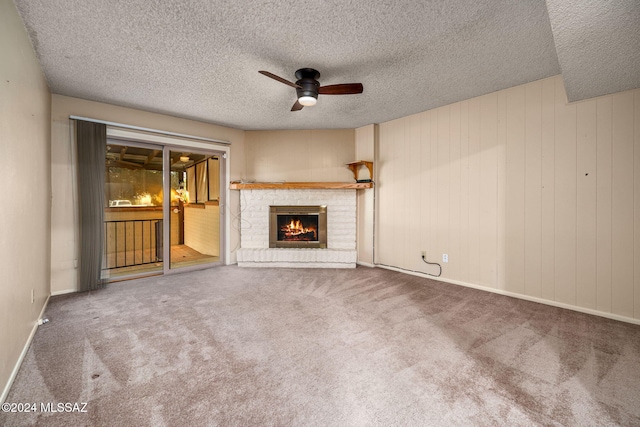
(280, 79)
(297, 106)
(341, 89)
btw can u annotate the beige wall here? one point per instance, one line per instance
(25, 104)
(299, 155)
(526, 194)
(63, 214)
(365, 150)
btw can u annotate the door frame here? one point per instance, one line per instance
(167, 141)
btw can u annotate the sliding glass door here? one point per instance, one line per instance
(194, 212)
(133, 218)
(147, 232)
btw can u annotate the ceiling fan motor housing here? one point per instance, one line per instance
(308, 81)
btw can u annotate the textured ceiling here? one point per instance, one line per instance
(199, 59)
(598, 45)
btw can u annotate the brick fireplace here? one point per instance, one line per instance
(340, 208)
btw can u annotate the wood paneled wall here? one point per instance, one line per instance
(526, 193)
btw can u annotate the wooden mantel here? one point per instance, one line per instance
(236, 185)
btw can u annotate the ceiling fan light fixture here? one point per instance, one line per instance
(184, 159)
(307, 101)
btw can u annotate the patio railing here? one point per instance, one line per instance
(132, 242)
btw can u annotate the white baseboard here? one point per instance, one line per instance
(520, 296)
(365, 264)
(63, 292)
(16, 368)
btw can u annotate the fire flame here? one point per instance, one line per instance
(295, 228)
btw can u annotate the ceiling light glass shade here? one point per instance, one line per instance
(184, 159)
(307, 101)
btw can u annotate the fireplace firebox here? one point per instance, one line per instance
(297, 226)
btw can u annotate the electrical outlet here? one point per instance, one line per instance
(445, 257)
(424, 254)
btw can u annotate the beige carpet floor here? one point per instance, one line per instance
(321, 347)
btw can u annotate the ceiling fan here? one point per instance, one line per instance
(308, 88)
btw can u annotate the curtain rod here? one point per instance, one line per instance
(163, 132)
